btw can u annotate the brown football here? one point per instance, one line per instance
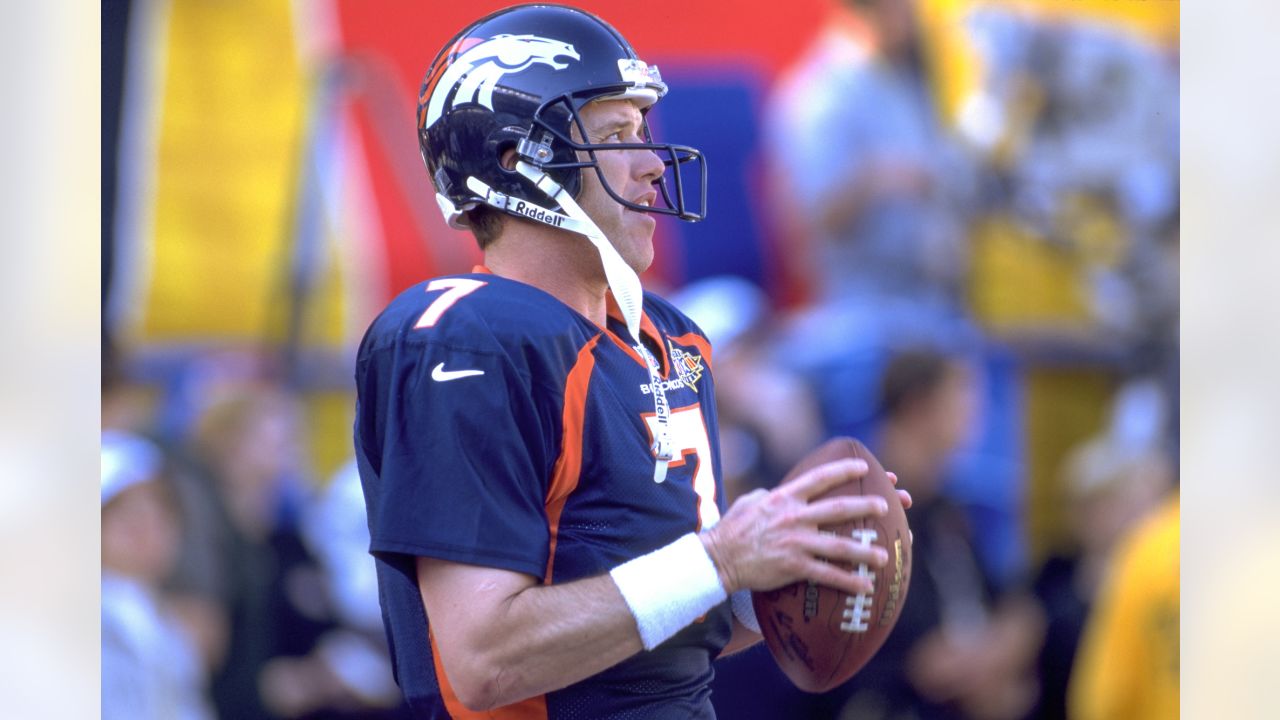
(820, 636)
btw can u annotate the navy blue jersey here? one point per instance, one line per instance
(496, 426)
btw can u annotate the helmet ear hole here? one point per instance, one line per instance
(507, 157)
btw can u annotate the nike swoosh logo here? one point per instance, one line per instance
(439, 374)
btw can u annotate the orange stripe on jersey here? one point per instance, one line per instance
(568, 467)
(534, 708)
(697, 341)
(646, 328)
(625, 347)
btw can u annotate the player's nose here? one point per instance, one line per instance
(647, 165)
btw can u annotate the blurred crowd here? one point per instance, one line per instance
(993, 309)
(961, 270)
(233, 585)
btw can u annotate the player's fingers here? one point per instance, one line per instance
(751, 498)
(834, 576)
(835, 548)
(905, 497)
(841, 509)
(822, 478)
(893, 477)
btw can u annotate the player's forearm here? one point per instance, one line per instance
(544, 638)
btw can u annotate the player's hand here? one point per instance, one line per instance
(903, 495)
(771, 538)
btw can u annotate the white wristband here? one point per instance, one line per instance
(669, 588)
(745, 610)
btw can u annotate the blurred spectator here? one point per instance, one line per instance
(959, 649)
(1075, 264)
(1079, 124)
(1110, 485)
(1128, 665)
(876, 189)
(1158, 283)
(150, 667)
(248, 450)
(759, 444)
(335, 527)
(867, 168)
(194, 586)
(125, 403)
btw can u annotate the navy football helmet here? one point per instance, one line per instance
(517, 79)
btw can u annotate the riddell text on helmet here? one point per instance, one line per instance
(533, 212)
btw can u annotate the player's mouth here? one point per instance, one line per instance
(646, 199)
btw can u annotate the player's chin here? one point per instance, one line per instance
(640, 251)
(642, 226)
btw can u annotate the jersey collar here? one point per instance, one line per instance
(646, 325)
(647, 328)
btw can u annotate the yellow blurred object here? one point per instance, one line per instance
(954, 64)
(1063, 407)
(1025, 106)
(230, 129)
(1024, 284)
(1093, 228)
(330, 417)
(1157, 20)
(1128, 664)
(1020, 280)
(231, 120)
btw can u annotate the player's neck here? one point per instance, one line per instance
(563, 265)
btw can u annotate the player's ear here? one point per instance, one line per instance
(509, 159)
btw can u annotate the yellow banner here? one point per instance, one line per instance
(228, 156)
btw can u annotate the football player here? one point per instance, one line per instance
(537, 439)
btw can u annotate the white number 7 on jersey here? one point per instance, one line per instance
(689, 432)
(454, 290)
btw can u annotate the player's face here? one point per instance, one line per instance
(631, 174)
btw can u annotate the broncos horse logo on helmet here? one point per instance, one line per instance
(474, 74)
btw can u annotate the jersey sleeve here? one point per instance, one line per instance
(459, 455)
